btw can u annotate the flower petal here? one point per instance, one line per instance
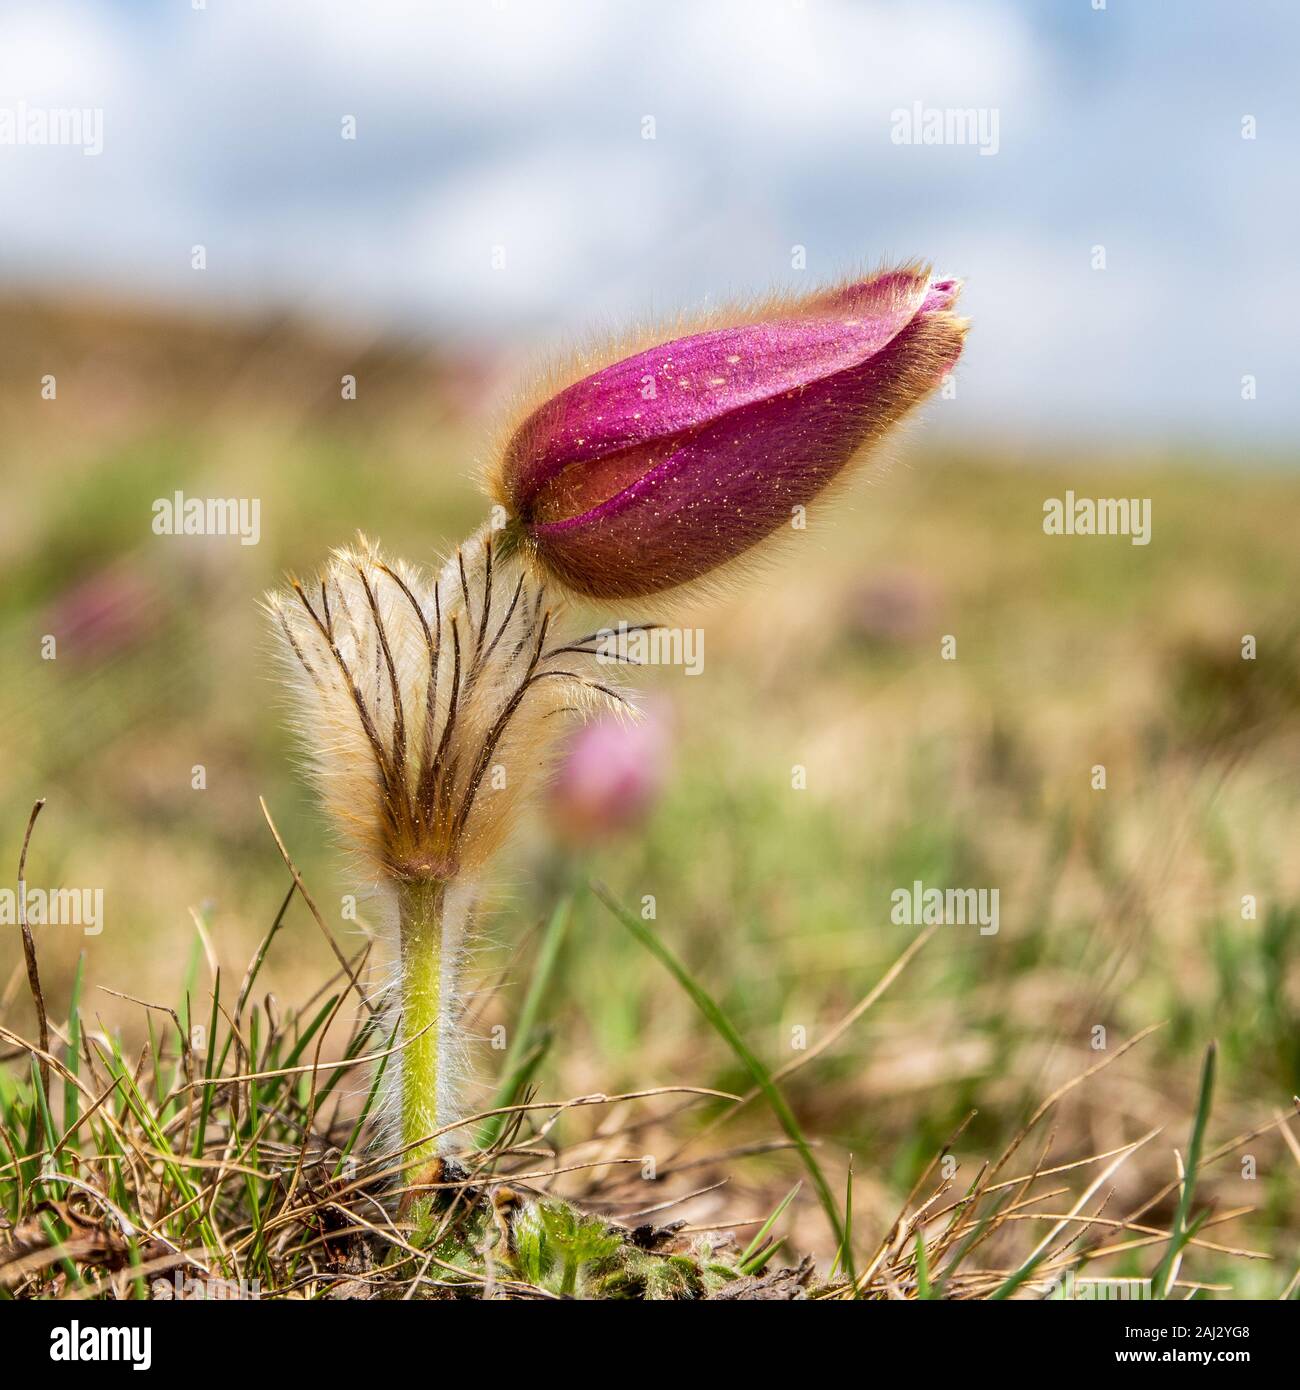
(691, 382)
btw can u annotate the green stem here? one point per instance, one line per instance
(420, 910)
(569, 1279)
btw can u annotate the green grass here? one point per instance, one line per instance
(722, 1025)
(1119, 909)
(245, 1176)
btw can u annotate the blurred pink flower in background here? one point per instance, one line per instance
(893, 607)
(468, 382)
(610, 774)
(103, 614)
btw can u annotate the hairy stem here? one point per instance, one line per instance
(421, 912)
(433, 917)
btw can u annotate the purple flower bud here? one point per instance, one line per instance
(664, 466)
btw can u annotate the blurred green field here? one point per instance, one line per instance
(1119, 908)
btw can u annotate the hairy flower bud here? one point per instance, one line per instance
(409, 695)
(656, 470)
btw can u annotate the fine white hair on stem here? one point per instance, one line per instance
(428, 710)
(404, 1114)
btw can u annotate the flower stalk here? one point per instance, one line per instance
(423, 1072)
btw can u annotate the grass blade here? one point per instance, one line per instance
(722, 1025)
(922, 1268)
(71, 1100)
(210, 1062)
(370, 1101)
(1182, 1232)
(521, 1058)
(756, 1245)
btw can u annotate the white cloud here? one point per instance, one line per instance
(518, 123)
(60, 54)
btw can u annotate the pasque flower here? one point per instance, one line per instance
(430, 707)
(662, 466)
(427, 709)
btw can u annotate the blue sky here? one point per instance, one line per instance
(517, 125)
